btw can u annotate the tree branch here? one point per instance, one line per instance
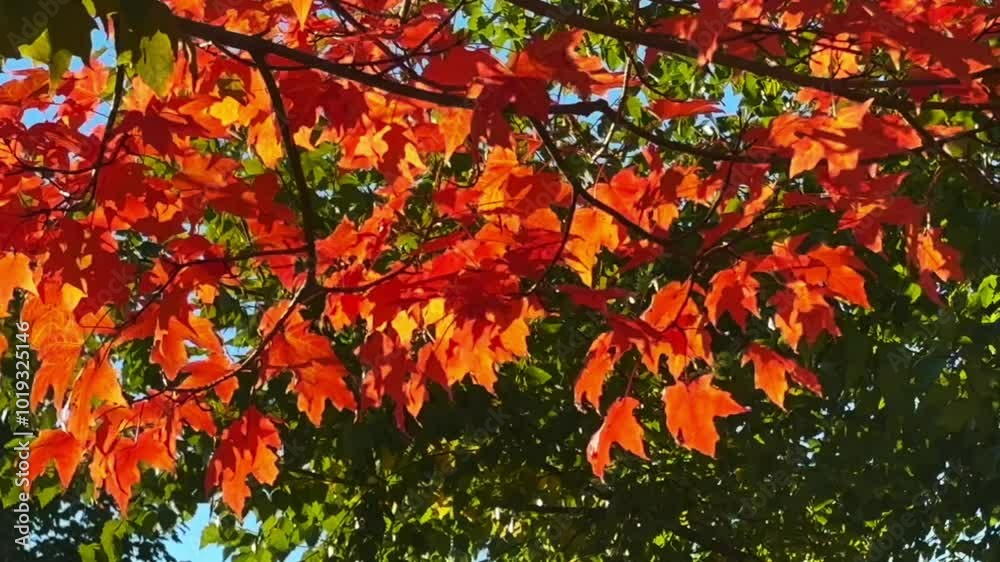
(973, 174)
(309, 221)
(259, 46)
(850, 88)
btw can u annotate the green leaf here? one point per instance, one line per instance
(40, 49)
(111, 535)
(210, 536)
(253, 167)
(987, 293)
(156, 61)
(46, 495)
(55, 53)
(633, 106)
(88, 553)
(279, 540)
(537, 376)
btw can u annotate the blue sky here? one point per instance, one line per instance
(188, 548)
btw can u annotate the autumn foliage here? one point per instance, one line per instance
(181, 181)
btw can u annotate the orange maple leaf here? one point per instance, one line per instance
(621, 427)
(555, 58)
(147, 449)
(319, 373)
(15, 273)
(56, 446)
(691, 409)
(931, 255)
(604, 353)
(248, 448)
(665, 309)
(455, 125)
(98, 384)
(58, 340)
(770, 370)
(733, 291)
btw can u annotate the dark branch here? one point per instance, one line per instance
(851, 88)
(309, 221)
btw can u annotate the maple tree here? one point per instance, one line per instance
(261, 221)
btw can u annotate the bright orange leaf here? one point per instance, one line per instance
(619, 427)
(247, 448)
(691, 409)
(59, 447)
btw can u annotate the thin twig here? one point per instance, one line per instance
(553, 150)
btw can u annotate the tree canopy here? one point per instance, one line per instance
(523, 280)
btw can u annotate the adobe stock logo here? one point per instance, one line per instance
(895, 530)
(34, 24)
